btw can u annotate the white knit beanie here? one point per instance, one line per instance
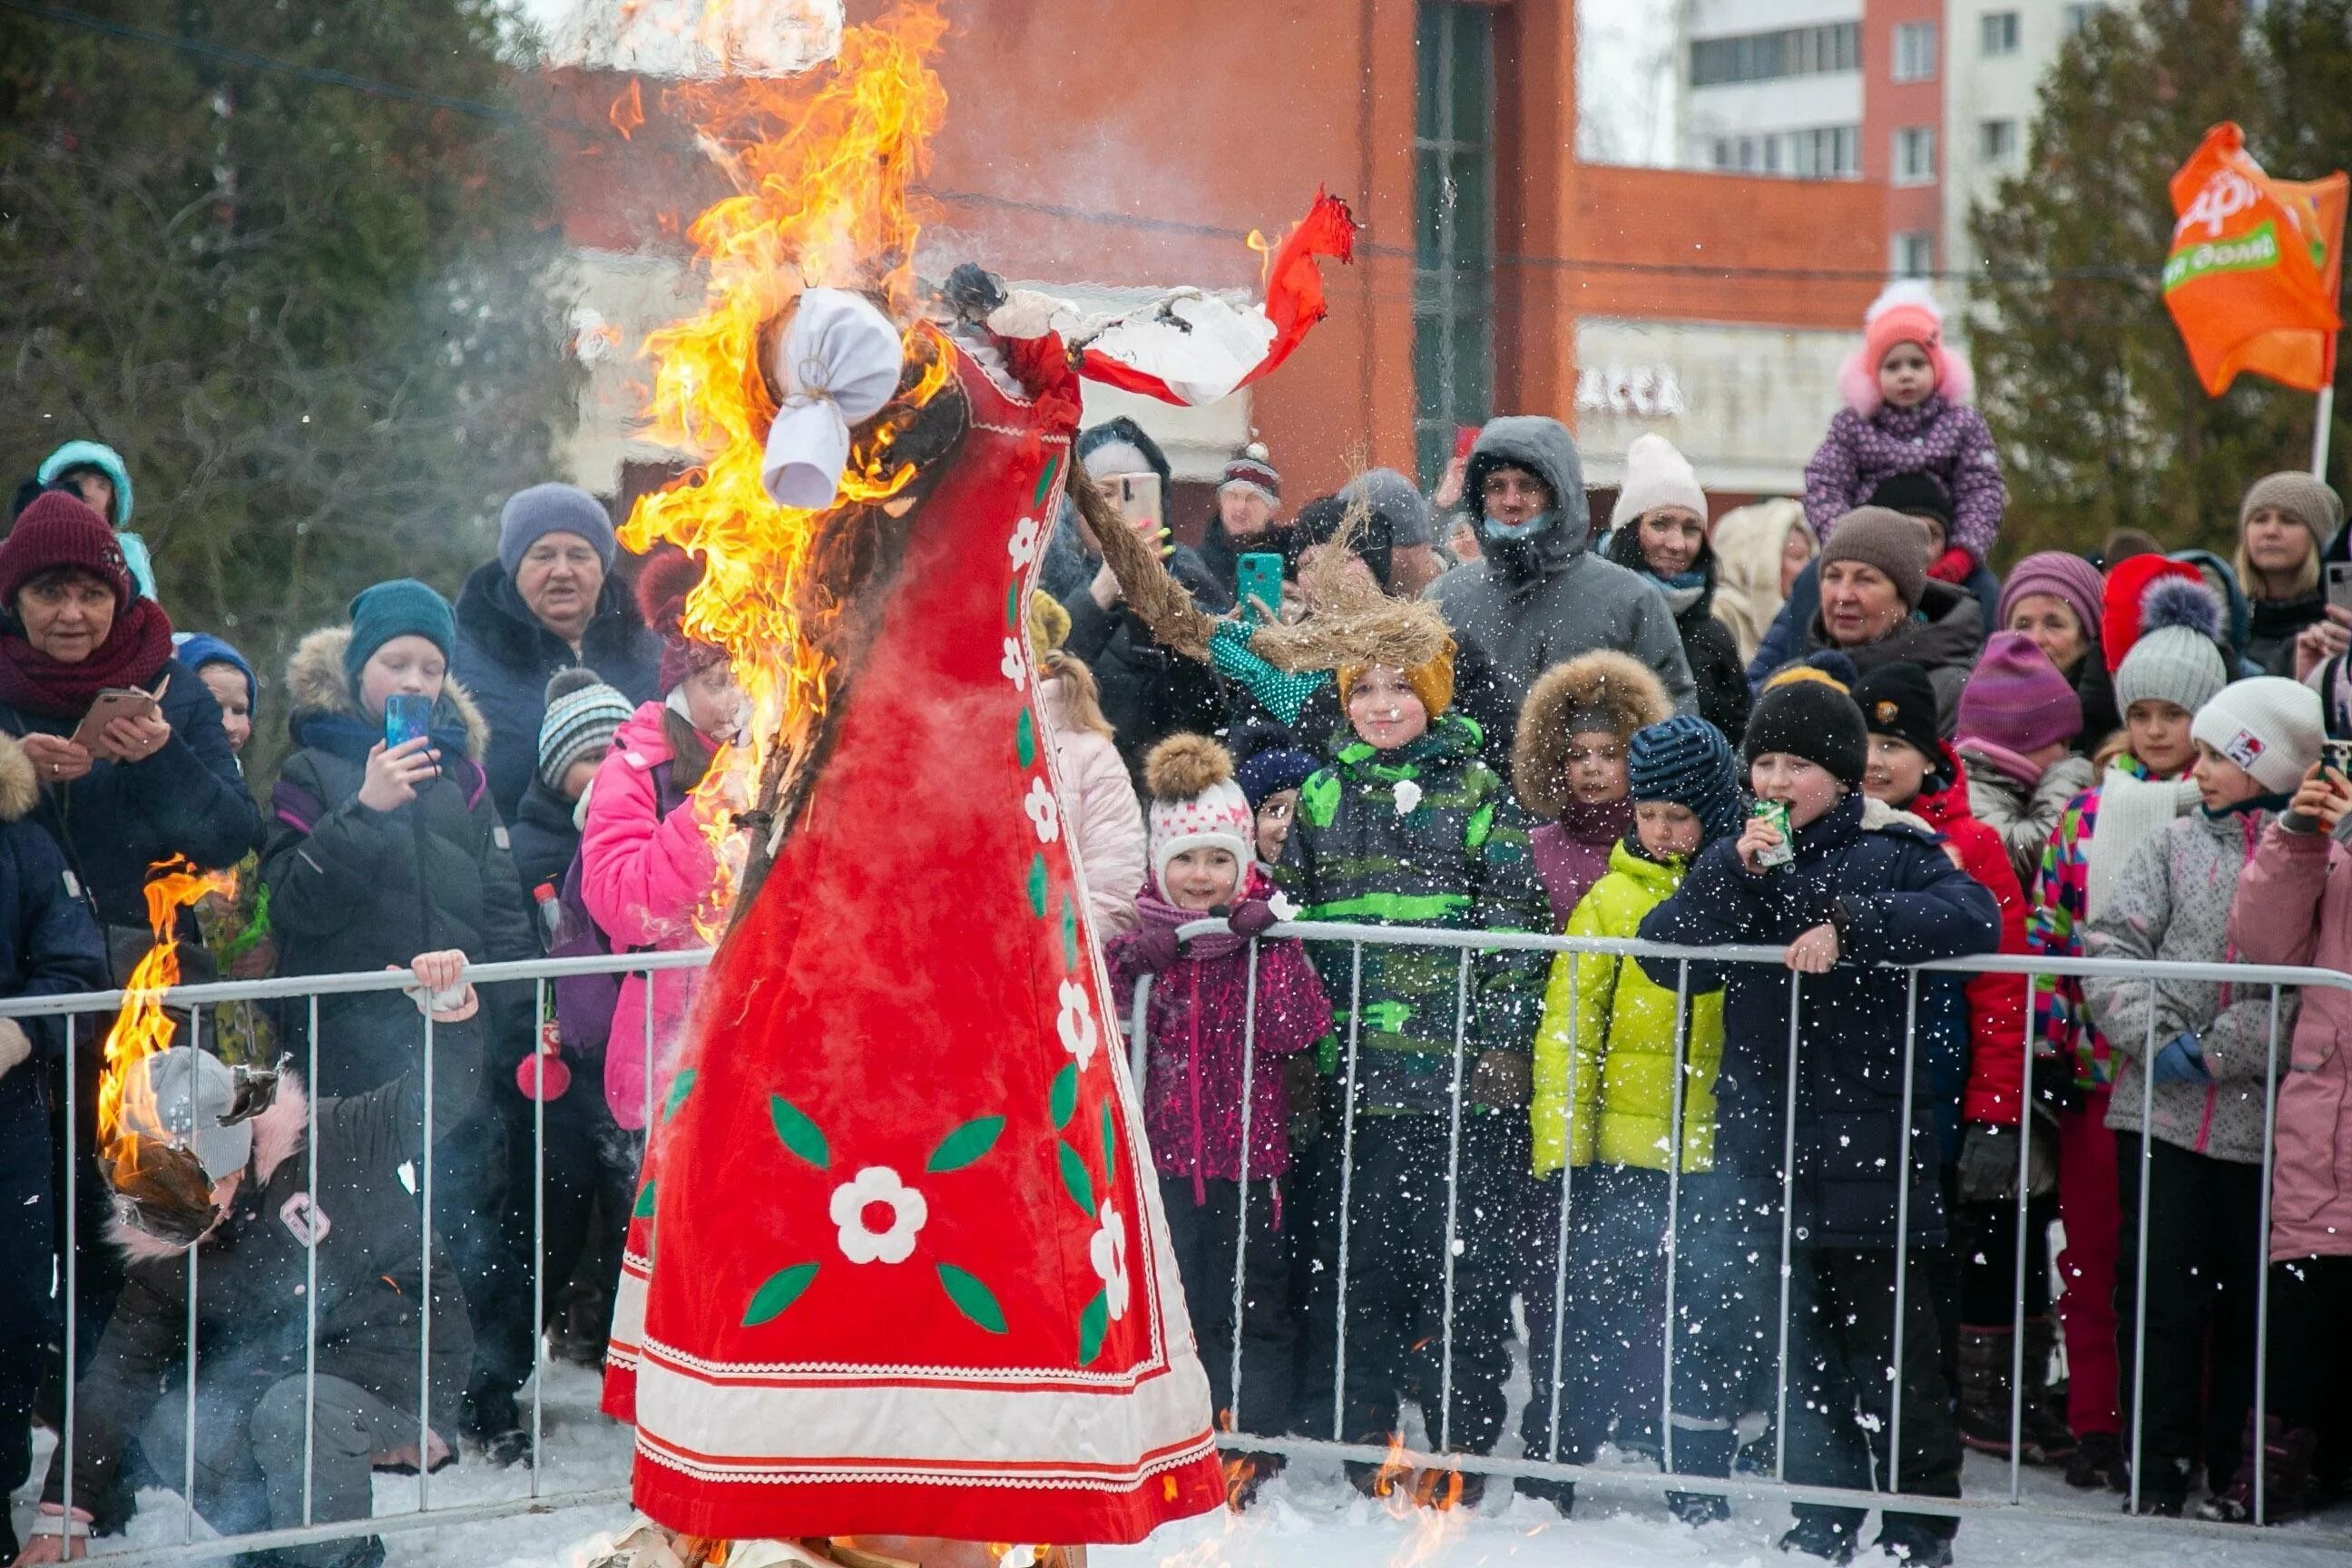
(1196, 805)
(1655, 474)
(2268, 725)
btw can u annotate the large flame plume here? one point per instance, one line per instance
(822, 168)
(141, 1027)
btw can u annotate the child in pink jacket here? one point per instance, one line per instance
(1906, 396)
(2294, 906)
(1098, 797)
(648, 872)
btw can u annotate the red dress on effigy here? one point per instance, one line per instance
(898, 1263)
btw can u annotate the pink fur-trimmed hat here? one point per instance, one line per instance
(1906, 312)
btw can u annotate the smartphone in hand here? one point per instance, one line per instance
(1258, 580)
(407, 716)
(115, 702)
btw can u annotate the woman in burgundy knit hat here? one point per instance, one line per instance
(145, 786)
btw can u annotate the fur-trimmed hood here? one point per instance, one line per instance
(315, 683)
(20, 789)
(277, 1138)
(1621, 686)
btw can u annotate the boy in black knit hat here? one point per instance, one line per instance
(1865, 888)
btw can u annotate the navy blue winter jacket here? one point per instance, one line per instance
(1894, 898)
(116, 822)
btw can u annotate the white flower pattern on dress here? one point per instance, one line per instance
(1022, 546)
(1108, 1252)
(1045, 814)
(1408, 795)
(1076, 1024)
(878, 1184)
(1015, 668)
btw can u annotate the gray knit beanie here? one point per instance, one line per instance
(1894, 544)
(2172, 664)
(530, 515)
(2306, 499)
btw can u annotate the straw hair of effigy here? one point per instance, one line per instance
(1350, 622)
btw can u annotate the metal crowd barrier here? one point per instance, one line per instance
(539, 1497)
(1889, 1495)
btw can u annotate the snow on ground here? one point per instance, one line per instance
(1306, 1518)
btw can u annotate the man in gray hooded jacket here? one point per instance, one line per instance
(1538, 596)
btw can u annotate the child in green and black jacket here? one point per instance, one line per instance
(1407, 827)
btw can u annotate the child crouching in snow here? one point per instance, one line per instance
(1204, 867)
(1605, 1067)
(1864, 890)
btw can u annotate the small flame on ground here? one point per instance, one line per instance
(823, 167)
(141, 1027)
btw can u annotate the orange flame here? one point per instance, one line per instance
(629, 111)
(823, 167)
(141, 1027)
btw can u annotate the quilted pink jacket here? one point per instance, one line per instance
(1101, 806)
(643, 876)
(2294, 906)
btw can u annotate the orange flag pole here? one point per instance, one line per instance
(2254, 274)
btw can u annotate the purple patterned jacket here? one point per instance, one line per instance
(1192, 1086)
(1949, 440)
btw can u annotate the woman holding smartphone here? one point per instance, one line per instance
(125, 741)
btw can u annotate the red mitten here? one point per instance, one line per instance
(1956, 565)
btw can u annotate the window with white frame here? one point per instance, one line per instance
(1997, 142)
(1999, 31)
(1915, 156)
(1915, 51)
(1911, 253)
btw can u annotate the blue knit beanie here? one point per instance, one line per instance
(1686, 762)
(1274, 770)
(402, 608)
(197, 650)
(531, 515)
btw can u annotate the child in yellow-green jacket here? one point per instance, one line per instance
(1605, 1106)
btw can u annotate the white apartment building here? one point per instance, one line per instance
(1994, 55)
(1772, 86)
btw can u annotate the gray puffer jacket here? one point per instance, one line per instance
(1537, 603)
(2024, 817)
(2171, 903)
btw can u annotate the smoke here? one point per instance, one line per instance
(692, 37)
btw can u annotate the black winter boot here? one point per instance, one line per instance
(1985, 1363)
(2098, 1461)
(2287, 1458)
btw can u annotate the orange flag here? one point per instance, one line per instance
(2252, 280)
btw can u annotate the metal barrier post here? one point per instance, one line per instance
(1674, 1211)
(1241, 1208)
(1347, 1191)
(539, 1220)
(425, 1289)
(1138, 1046)
(2139, 1294)
(1452, 1206)
(2017, 1323)
(73, 1252)
(1903, 1223)
(1566, 1193)
(1788, 1262)
(196, 1250)
(310, 1272)
(2260, 1437)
